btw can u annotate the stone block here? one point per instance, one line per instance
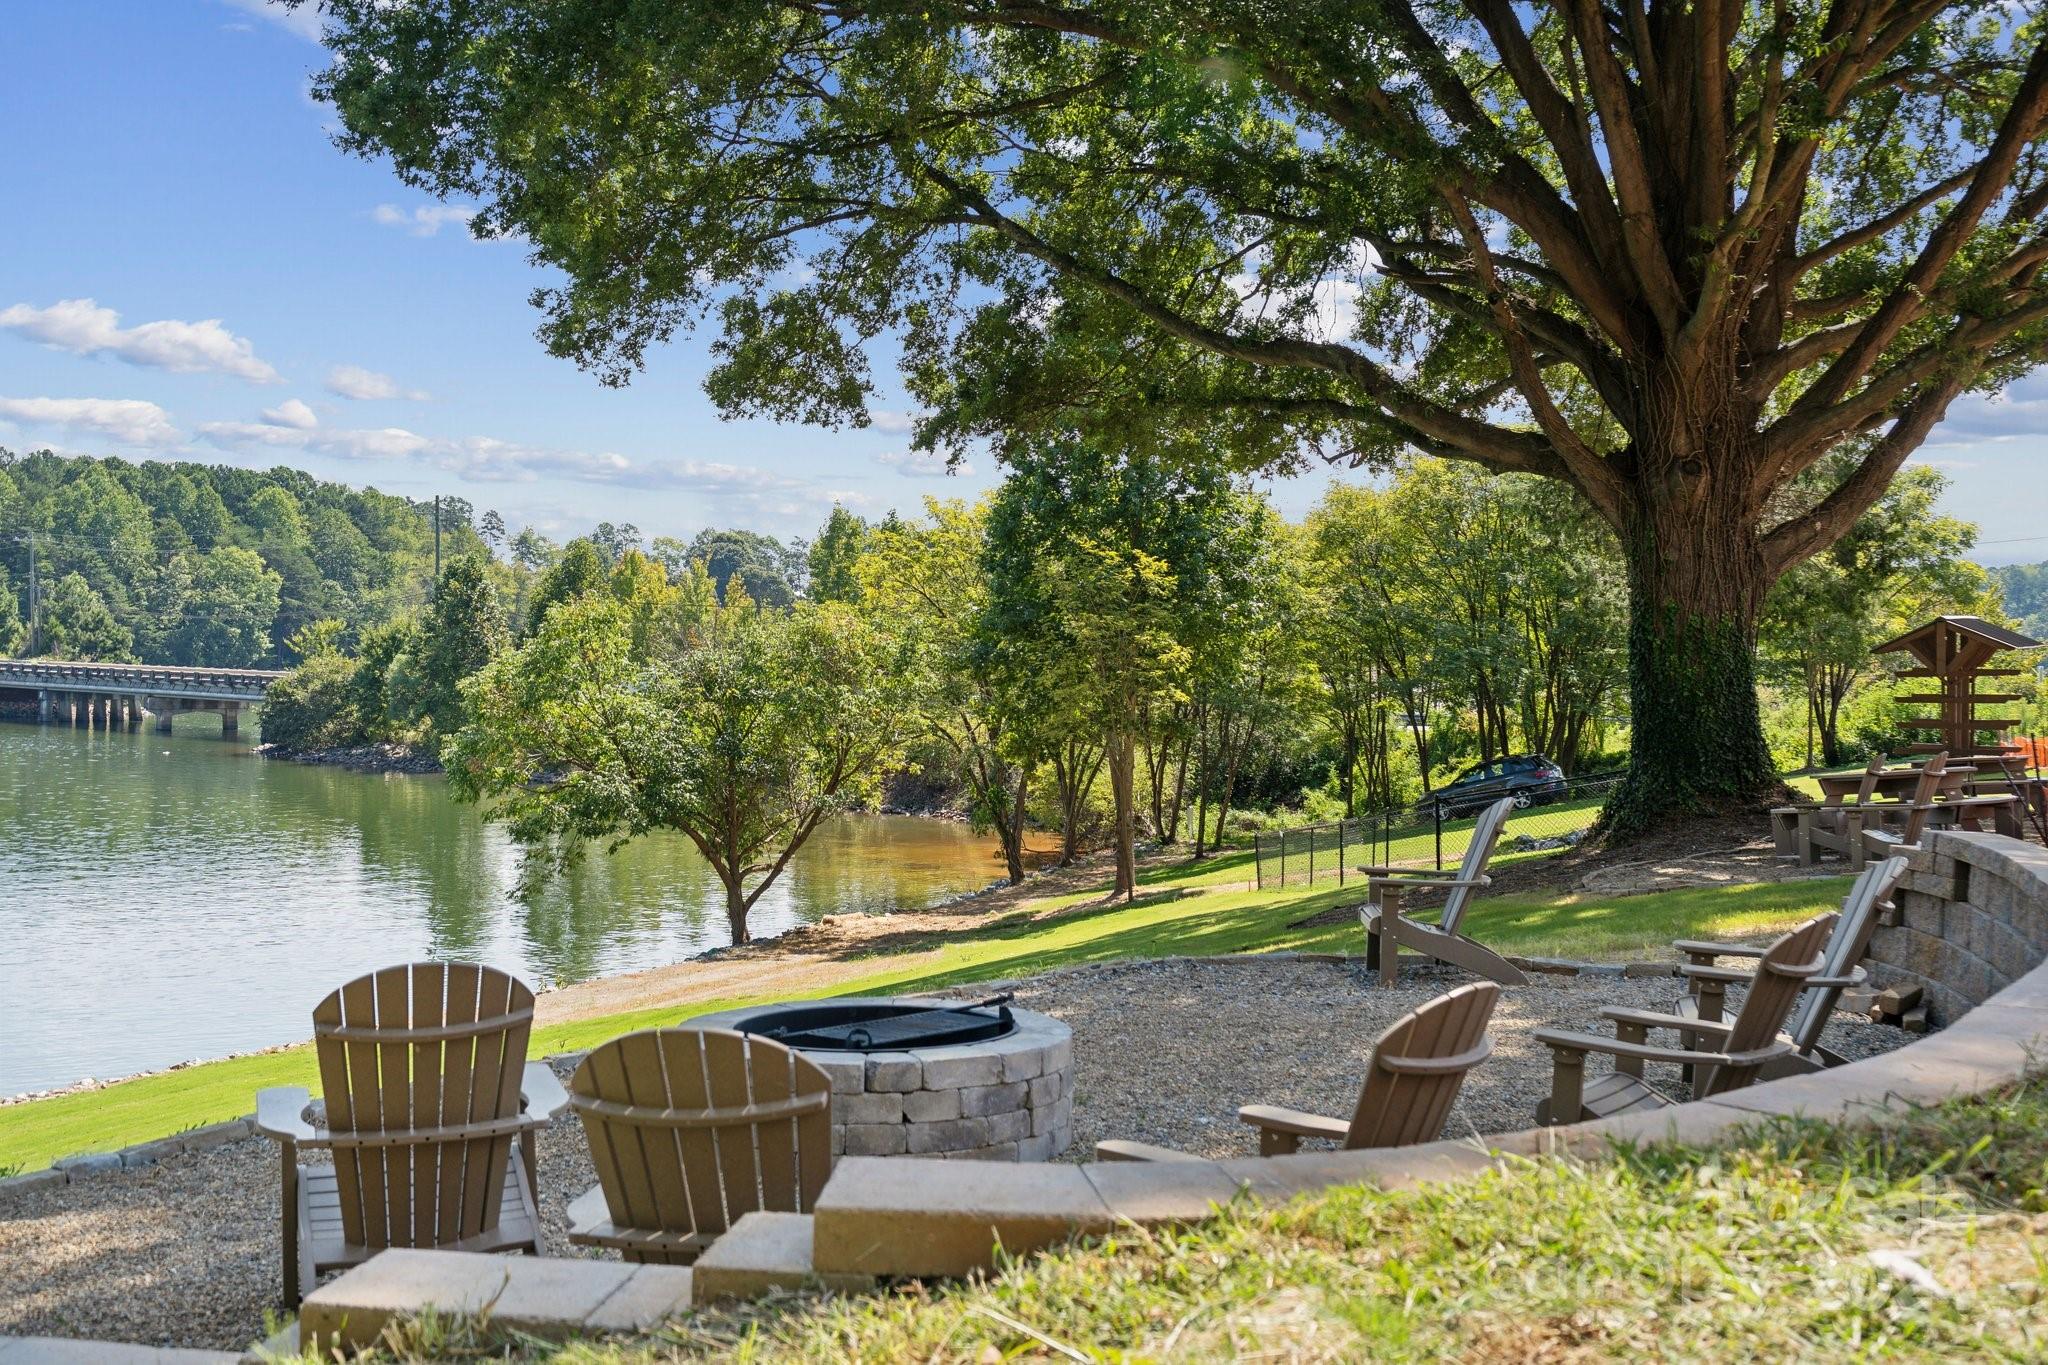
(958, 1071)
(1059, 1055)
(544, 1296)
(930, 1106)
(763, 1252)
(1155, 1193)
(1009, 1127)
(947, 1135)
(1047, 1089)
(1924, 914)
(653, 1295)
(29, 1182)
(149, 1153)
(1043, 1117)
(1639, 970)
(878, 1139)
(1023, 1064)
(936, 1218)
(88, 1163)
(882, 1106)
(73, 1351)
(1037, 1147)
(849, 1074)
(218, 1135)
(839, 1139)
(978, 1100)
(995, 1151)
(897, 1071)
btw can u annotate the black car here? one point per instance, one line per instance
(1531, 779)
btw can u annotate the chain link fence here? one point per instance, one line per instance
(1431, 835)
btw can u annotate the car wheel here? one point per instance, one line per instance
(1523, 800)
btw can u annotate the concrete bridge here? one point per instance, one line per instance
(122, 694)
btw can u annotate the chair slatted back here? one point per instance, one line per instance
(691, 1128)
(1845, 948)
(1780, 976)
(1418, 1066)
(1485, 834)
(1866, 791)
(420, 1066)
(1924, 792)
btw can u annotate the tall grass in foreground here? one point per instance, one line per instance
(1924, 1239)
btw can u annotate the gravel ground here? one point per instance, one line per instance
(185, 1253)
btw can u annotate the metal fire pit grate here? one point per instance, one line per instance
(879, 1028)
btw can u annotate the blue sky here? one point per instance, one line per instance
(258, 298)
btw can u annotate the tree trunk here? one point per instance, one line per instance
(1696, 586)
(1122, 754)
(736, 909)
(1013, 832)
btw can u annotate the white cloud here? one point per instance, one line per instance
(304, 21)
(486, 459)
(895, 423)
(131, 421)
(291, 413)
(353, 381)
(921, 464)
(425, 220)
(82, 327)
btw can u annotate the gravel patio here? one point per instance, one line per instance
(185, 1253)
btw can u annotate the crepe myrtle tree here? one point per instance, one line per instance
(1670, 254)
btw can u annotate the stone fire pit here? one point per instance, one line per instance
(1003, 1098)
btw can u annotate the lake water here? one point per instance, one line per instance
(165, 897)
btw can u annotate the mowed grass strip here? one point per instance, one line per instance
(1055, 934)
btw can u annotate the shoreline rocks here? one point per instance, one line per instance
(361, 758)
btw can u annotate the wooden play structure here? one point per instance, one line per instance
(1954, 652)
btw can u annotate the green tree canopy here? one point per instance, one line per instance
(832, 557)
(77, 624)
(744, 734)
(580, 570)
(227, 611)
(1673, 256)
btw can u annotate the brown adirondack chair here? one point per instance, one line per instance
(1707, 984)
(690, 1129)
(1387, 930)
(1417, 1068)
(1800, 831)
(1742, 1048)
(1874, 839)
(424, 1072)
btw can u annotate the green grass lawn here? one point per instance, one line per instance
(1920, 1240)
(1028, 942)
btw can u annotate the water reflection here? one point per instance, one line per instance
(171, 897)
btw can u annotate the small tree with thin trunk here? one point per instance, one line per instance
(1670, 254)
(1120, 660)
(744, 728)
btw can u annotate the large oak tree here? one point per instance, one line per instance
(1672, 254)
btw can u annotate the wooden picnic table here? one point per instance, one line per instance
(1893, 784)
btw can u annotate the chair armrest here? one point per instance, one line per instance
(542, 1090)
(1558, 1040)
(1118, 1150)
(588, 1210)
(1856, 977)
(1295, 1121)
(1621, 1014)
(1706, 949)
(1427, 880)
(281, 1114)
(1704, 971)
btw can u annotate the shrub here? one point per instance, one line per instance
(311, 706)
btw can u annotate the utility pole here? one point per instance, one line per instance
(35, 601)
